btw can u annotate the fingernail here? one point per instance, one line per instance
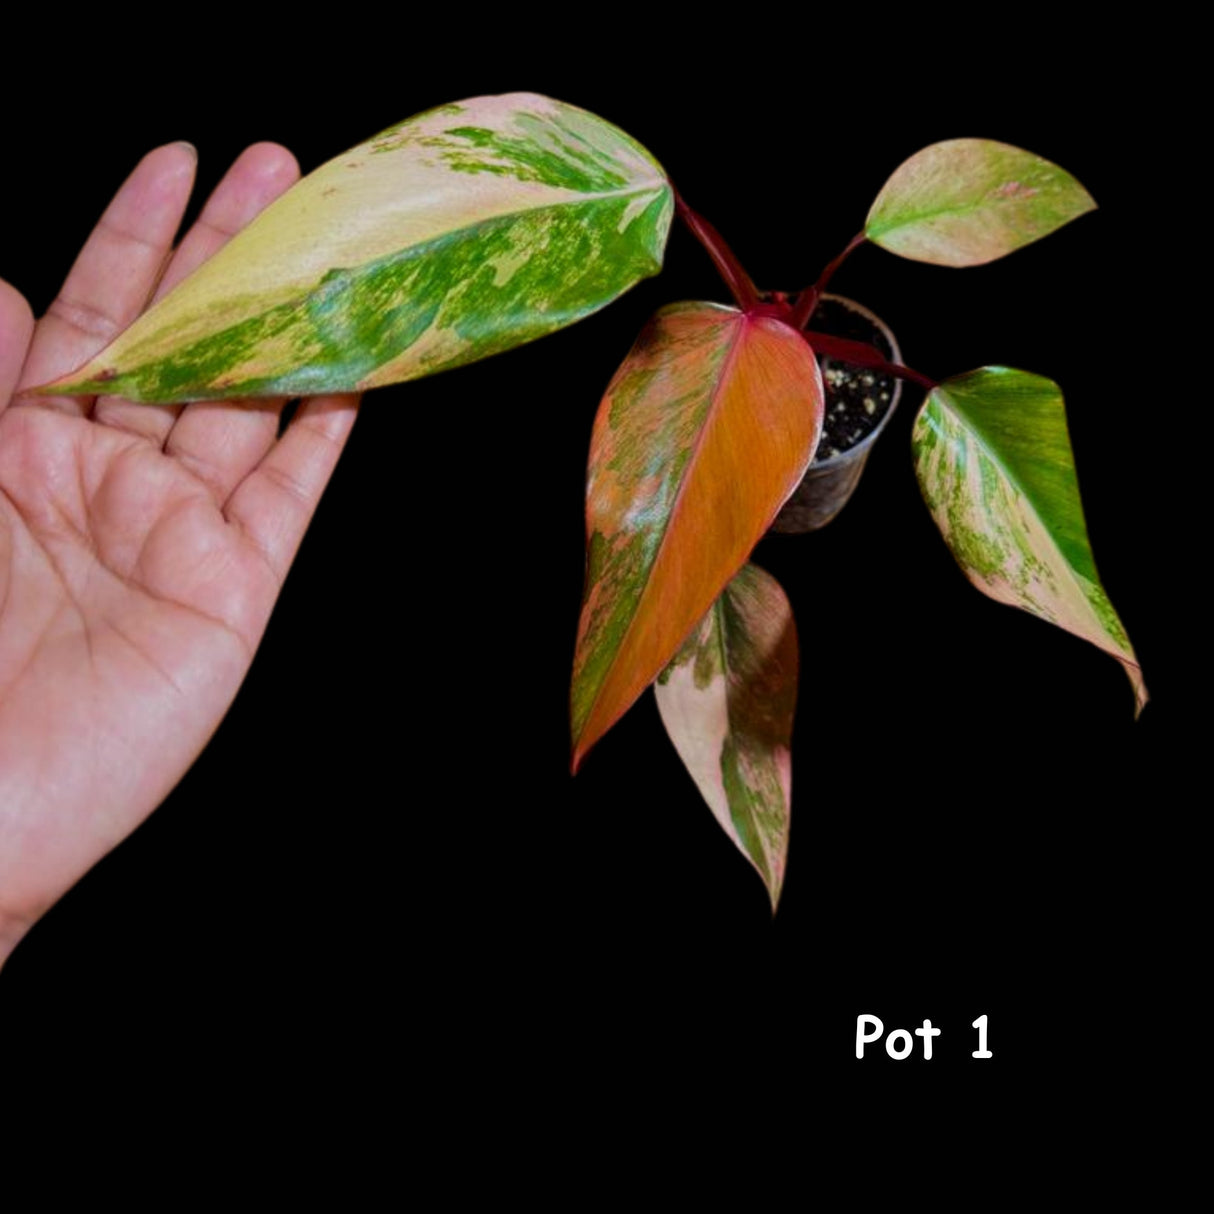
(189, 147)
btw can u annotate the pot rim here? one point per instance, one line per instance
(851, 452)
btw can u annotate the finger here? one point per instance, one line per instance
(16, 326)
(275, 503)
(257, 176)
(230, 441)
(113, 277)
(221, 442)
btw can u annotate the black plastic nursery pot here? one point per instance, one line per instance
(859, 403)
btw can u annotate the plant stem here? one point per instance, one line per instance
(749, 300)
(730, 269)
(809, 299)
(861, 354)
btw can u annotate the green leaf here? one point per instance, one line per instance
(706, 429)
(968, 201)
(994, 463)
(460, 232)
(727, 702)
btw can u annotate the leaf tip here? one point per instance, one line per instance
(1141, 696)
(67, 385)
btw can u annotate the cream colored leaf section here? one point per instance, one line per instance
(727, 702)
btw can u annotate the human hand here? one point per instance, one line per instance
(142, 547)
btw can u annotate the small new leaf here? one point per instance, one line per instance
(968, 201)
(459, 233)
(994, 462)
(727, 702)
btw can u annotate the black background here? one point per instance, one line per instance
(382, 852)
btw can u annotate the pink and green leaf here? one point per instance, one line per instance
(727, 701)
(705, 430)
(968, 201)
(994, 462)
(460, 232)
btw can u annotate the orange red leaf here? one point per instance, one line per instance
(702, 435)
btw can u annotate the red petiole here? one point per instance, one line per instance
(777, 305)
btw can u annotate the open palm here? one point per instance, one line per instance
(141, 547)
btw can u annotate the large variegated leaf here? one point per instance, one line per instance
(704, 432)
(967, 201)
(727, 702)
(994, 462)
(461, 232)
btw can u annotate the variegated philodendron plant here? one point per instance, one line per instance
(481, 225)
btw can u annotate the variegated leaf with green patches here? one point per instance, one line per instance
(460, 232)
(704, 432)
(727, 702)
(968, 201)
(994, 462)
